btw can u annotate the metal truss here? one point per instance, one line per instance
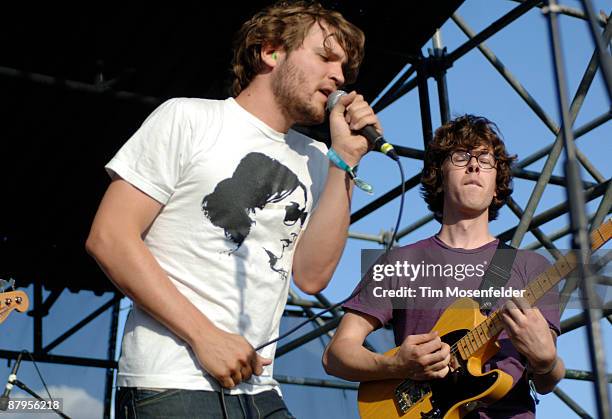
(435, 66)
(42, 353)
(422, 68)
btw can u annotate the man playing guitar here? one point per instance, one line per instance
(466, 179)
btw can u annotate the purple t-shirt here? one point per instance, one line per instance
(438, 275)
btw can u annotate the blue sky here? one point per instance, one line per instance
(474, 87)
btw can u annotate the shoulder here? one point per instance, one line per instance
(192, 106)
(530, 263)
(530, 258)
(308, 143)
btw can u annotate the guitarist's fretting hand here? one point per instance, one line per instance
(530, 334)
(423, 357)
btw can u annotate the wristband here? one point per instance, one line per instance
(352, 171)
(552, 367)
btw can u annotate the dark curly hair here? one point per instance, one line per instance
(465, 132)
(285, 25)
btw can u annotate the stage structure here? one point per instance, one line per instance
(75, 89)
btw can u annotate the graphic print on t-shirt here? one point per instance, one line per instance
(259, 180)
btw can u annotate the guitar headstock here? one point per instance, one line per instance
(12, 300)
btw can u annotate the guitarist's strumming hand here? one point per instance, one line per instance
(422, 357)
(530, 334)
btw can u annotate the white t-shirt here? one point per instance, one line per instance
(236, 196)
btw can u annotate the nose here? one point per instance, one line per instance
(337, 74)
(473, 167)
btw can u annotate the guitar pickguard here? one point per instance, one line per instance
(458, 385)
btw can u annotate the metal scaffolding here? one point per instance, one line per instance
(435, 66)
(416, 76)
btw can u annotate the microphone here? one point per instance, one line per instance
(4, 399)
(374, 138)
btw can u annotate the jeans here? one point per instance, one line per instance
(134, 403)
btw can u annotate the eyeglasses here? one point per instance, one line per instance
(461, 158)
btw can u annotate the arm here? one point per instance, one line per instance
(321, 245)
(115, 241)
(546, 377)
(420, 357)
(531, 336)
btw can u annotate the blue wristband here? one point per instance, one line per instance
(337, 160)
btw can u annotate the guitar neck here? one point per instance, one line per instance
(474, 340)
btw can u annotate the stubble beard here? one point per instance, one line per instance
(289, 82)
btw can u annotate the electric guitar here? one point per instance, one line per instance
(12, 300)
(472, 338)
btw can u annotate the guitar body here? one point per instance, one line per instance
(466, 387)
(450, 398)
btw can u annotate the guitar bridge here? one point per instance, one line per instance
(408, 393)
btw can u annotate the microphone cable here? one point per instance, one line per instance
(395, 158)
(357, 289)
(335, 306)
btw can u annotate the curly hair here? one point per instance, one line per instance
(285, 25)
(465, 132)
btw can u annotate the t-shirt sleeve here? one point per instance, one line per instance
(317, 164)
(364, 299)
(154, 157)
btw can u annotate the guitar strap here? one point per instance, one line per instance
(497, 275)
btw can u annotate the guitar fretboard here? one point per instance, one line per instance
(474, 340)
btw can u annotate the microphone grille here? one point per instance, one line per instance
(333, 98)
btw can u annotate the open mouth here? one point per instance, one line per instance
(326, 92)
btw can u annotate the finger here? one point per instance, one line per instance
(517, 315)
(344, 102)
(357, 109)
(521, 303)
(431, 347)
(359, 105)
(434, 357)
(258, 363)
(360, 120)
(512, 310)
(422, 338)
(364, 122)
(236, 378)
(509, 323)
(227, 382)
(438, 366)
(358, 102)
(246, 372)
(442, 373)
(510, 305)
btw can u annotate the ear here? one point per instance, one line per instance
(270, 55)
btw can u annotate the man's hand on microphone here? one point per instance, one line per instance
(351, 114)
